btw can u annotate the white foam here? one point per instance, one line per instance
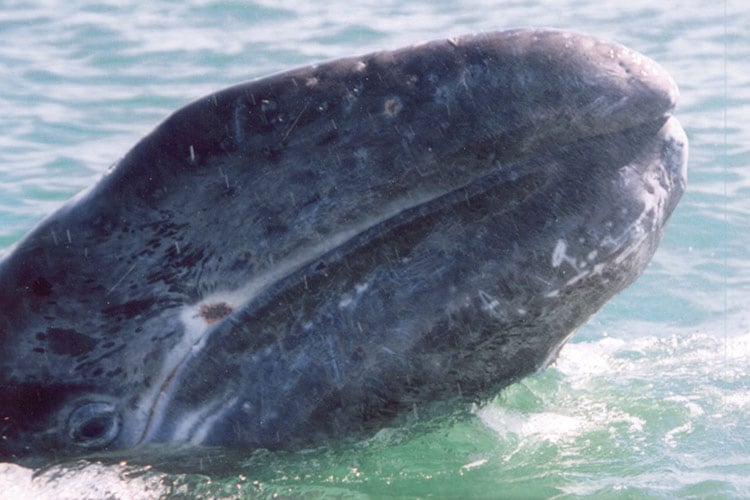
(584, 359)
(548, 426)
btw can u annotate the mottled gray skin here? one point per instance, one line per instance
(315, 253)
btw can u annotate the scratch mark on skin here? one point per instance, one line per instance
(294, 123)
(334, 362)
(226, 178)
(70, 240)
(130, 270)
(192, 154)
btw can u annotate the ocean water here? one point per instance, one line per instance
(650, 399)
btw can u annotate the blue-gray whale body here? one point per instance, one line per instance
(313, 254)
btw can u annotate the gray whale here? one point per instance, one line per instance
(317, 253)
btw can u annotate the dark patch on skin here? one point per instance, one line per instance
(88, 364)
(328, 138)
(41, 287)
(272, 153)
(275, 228)
(189, 259)
(311, 200)
(67, 342)
(25, 405)
(129, 309)
(212, 313)
(242, 262)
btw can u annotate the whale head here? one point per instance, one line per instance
(313, 254)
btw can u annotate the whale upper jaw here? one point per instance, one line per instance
(315, 237)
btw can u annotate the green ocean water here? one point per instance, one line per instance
(651, 398)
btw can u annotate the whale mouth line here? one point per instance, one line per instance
(200, 319)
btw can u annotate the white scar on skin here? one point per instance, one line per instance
(559, 255)
(195, 425)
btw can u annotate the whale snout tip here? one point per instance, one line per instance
(676, 154)
(658, 88)
(634, 88)
(662, 85)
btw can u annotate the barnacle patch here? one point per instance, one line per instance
(392, 106)
(211, 313)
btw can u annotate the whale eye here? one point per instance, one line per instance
(93, 425)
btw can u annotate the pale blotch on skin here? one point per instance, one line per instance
(392, 107)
